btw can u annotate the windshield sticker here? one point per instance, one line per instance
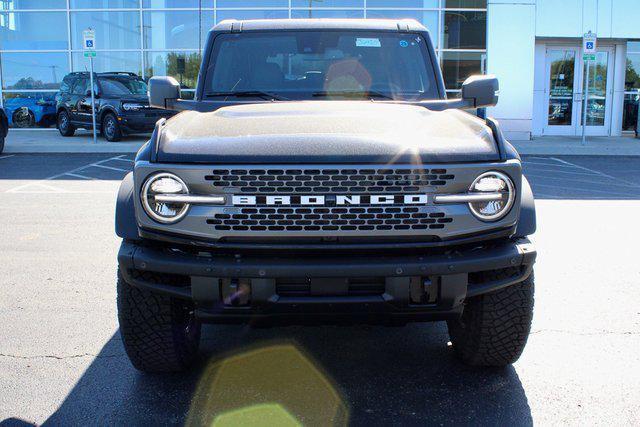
(368, 42)
(404, 43)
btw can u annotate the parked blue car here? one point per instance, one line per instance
(31, 109)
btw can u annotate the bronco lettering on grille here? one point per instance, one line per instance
(338, 200)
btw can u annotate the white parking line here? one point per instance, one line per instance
(583, 168)
(583, 181)
(555, 165)
(552, 171)
(78, 176)
(95, 165)
(6, 157)
(125, 160)
(20, 188)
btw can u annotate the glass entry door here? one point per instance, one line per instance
(566, 72)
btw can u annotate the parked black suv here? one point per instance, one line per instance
(122, 106)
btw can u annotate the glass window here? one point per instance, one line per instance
(327, 3)
(632, 77)
(104, 4)
(114, 30)
(185, 4)
(80, 86)
(465, 4)
(122, 85)
(416, 4)
(630, 112)
(25, 31)
(67, 83)
(428, 18)
(30, 109)
(465, 30)
(251, 14)
(322, 65)
(457, 66)
(253, 3)
(320, 13)
(633, 47)
(183, 66)
(109, 61)
(175, 29)
(33, 70)
(32, 4)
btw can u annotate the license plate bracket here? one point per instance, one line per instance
(329, 286)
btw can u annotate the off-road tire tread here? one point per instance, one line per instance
(494, 327)
(152, 327)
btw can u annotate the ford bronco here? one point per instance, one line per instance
(320, 174)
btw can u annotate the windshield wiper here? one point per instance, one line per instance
(368, 94)
(249, 94)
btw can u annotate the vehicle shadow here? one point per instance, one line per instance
(319, 375)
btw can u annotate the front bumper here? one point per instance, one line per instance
(448, 278)
(139, 122)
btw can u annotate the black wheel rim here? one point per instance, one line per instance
(110, 127)
(22, 120)
(63, 122)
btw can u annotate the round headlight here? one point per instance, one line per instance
(494, 184)
(164, 184)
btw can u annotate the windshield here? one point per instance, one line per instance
(321, 64)
(118, 86)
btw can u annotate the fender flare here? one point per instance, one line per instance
(103, 112)
(527, 221)
(126, 225)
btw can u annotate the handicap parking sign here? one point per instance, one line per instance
(89, 39)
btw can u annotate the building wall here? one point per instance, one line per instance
(40, 40)
(518, 32)
(510, 46)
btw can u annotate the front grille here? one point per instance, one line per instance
(328, 181)
(330, 219)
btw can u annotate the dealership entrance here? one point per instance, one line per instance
(565, 74)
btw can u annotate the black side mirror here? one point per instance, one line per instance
(481, 91)
(88, 94)
(162, 89)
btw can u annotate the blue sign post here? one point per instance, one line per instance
(589, 42)
(89, 46)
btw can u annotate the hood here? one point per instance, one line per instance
(138, 99)
(325, 132)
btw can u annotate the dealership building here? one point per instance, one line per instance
(533, 46)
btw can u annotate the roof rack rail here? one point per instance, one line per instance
(127, 73)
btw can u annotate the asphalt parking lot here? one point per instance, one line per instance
(62, 362)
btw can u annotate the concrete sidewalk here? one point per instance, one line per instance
(50, 141)
(572, 146)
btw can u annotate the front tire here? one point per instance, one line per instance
(111, 128)
(159, 333)
(64, 124)
(494, 327)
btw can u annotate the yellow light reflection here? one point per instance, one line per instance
(272, 385)
(257, 416)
